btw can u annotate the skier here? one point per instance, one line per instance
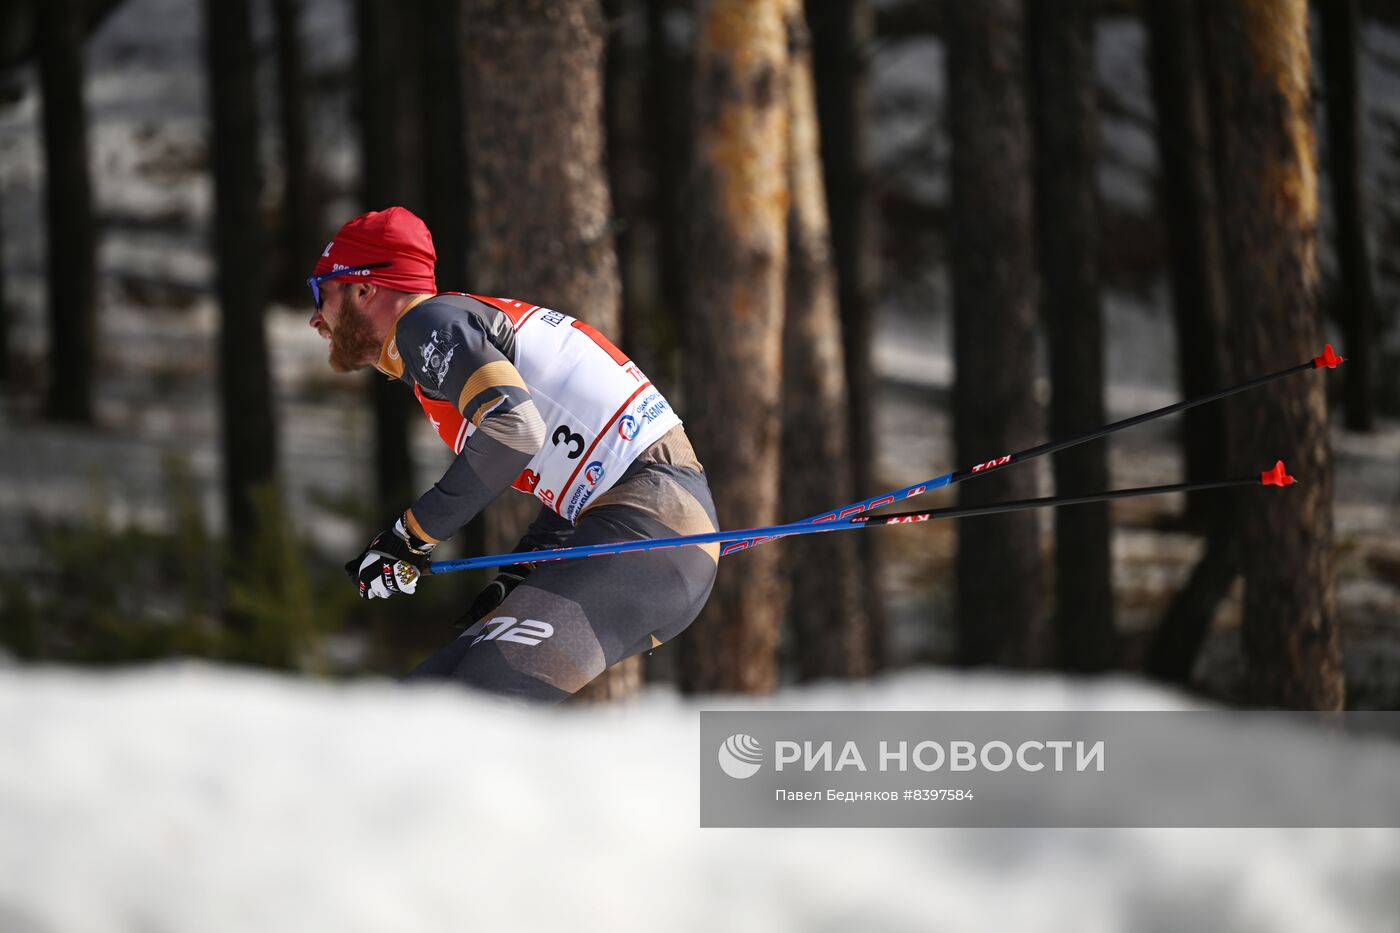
(529, 398)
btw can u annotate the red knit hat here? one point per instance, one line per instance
(396, 235)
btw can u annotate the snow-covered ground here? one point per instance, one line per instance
(189, 798)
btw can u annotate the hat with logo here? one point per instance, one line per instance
(395, 235)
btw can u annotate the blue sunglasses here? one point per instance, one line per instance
(316, 280)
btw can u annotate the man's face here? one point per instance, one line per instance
(344, 322)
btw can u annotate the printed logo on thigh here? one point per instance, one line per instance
(520, 631)
(543, 635)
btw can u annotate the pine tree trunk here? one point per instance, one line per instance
(668, 122)
(1188, 199)
(542, 232)
(842, 35)
(301, 202)
(621, 91)
(389, 177)
(5, 372)
(446, 196)
(249, 428)
(61, 34)
(994, 292)
(1268, 186)
(1355, 300)
(825, 611)
(1190, 204)
(1067, 208)
(739, 201)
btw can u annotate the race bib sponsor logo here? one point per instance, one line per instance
(579, 499)
(527, 481)
(437, 356)
(627, 428)
(594, 473)
(651, 407)
(553, 318)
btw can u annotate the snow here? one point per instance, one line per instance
(194, 798)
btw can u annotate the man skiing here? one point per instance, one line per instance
(529, 398)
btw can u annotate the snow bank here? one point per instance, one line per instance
(192, 798)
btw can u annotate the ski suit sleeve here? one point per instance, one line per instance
(448, 356)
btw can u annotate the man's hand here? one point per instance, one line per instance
(494, 593)
(391, 564)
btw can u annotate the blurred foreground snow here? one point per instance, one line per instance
(195, 798)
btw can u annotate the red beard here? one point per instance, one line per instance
(353, 343)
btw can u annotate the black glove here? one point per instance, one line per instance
(391, 564)
(494, 593)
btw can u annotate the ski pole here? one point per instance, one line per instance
(1274, 477)
(1329, 359)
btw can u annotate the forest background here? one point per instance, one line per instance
(858, 244)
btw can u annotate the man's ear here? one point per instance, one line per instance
(364, 291)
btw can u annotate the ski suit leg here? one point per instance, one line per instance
(571, 620)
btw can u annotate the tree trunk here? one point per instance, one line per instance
(542, 232)
(249, 429)
(621, 93)
(841, 45)
(1189, 203)
(1066, 131)
(738, 214)
(1268, 185)
(72, 234)
(5, 372)
(825, 611)
(1355, 300)
(446, 196)
(387, 123)
(994, 294)
(301, 200)
(1176, 643)
(669, 120)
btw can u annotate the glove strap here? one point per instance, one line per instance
(416, 545)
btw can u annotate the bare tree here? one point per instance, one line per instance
(72, 236)
(825, 612)
(668, 122)
(386, 95)
(1188, 199)
(249, 429)
(1355, 301)
(1260, 69)
(994, 313)
(539, 186)
(300, 208)
(445, 202)
(623, 93)
(1067, 225)
(738, 213)
(446, 196)
(842, 38)
(5, 372)
(1196, 265)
